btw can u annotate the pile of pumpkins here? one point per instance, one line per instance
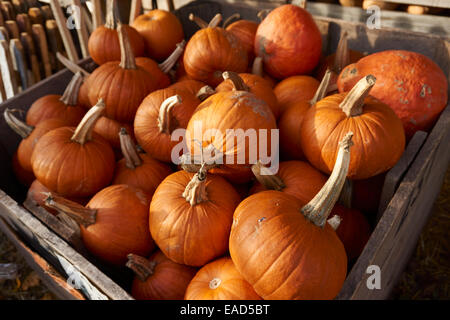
(102, 153)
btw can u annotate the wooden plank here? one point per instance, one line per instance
(30, 50)
(24, 23)
(135, 10)
(8, 271)
(97, 16)
(81, 29)
(426, 3)
(54, 42)
(7, 70)
(13, 29)
(41, 40)
(19, 62)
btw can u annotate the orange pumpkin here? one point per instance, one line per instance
(74, 162)
(159, 278)
(286, 249)
(109, 130)
(220, 280)
(211, 51)
(245, 31)
(103, 43)
(190, 210)
(161, 31)
(379, 136)
(138, 170)
(25, 177)
(65, 107)
(107, 232)
(289, 41)
(408, 82)
(258, 69)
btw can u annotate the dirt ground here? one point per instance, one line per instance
(427, 275)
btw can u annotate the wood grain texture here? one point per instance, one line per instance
(65, 34)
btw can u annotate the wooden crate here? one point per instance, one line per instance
(410, 189)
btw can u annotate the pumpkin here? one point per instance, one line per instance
(295, 89)
(113, 224)
(219, 280)
(159, 115)
(30, 136)
(289, 41)
(237, 110)
(159, 278)
(409, 82)
(379, 136)
(258, 69)
(109, 130)
(138, 169)
(24, 177)
(190, 210)
(103, 43)
(297, 178)
(256, 85)
(211, 51)
(367, 194)
(193, 86)
(290, 122)
(244, 31)
(131, 83)
(285, 248)
(83, 94)
(74, 162)
(65, 107)
(161, 31)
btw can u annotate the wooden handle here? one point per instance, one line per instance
(83, 36)
(71, 65)
(36, 16)
(8, 76)
(2, 19)
(7, 10)
(20, 6)
(13, 29)
(97, 16)
(24, 23)
(55, 43)
(39, 37)
(19, 62)
(135, 10)
(47, 13)
(65, 34)
(87, 19)
(4, 35)
(30, 50)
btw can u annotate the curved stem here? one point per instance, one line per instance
(72, 66)
(335, 222)
(164, 118)
(353, 103)
(237, 81)
(19, 127)
(127, 60)
(322, 89)
(70, 95)
(168, 64)
(342, 56)
(199, 21)
(258, 67)
(319, 208)
(215, 21)
(142, 267)
(191, 165)
(195, 191)
(267, 178)
(129, 151)
(205, 92)
(227, 21)
(110, 20)
(82, 215)
(83, 132)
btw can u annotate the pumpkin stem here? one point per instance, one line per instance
(353, 103)
(319, 208)
(127, 60)
(215, 21)
(110, 19)
(190, 165)
(214, 283)
(262, 14)
(237, 81)
(164, 118)
(346, 194)
(19, 127)
(205, 92)
(228, 20)
(129, 151)
(142, 267)
(299, 3)
(199, 21)
(168, 64)
(83, 132)
(195, 191)
(258, 67)
(342, 57)
(82, 215)
(70, 95)
(322, 89)
(335, 222)
(266, 178)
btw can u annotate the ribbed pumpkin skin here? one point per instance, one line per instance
(50, 107)
(131, 86)
(146, 176)
(161, 31)
(289, 41)
(410, 83)
(168, 282)
(193, 86)
(328, 62)
(245, 31)
(83, 95)
(162, 80)
(103, 44)
(258, 86)
(181, 230)
(302, 180)
(212, 51)
(158, 144)
(294, 89)
(354, 230)
(109, 130)
(69, 168)
(379, 139)
(282, 254)
(232, 285)
(121, 224)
